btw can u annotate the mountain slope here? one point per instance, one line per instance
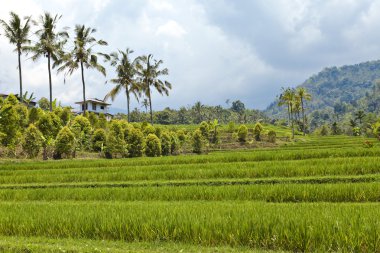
(340, 90)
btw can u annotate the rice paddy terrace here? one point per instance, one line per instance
(316, 195)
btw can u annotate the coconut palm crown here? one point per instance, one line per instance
(49, 44)
(126, 76)
(149, 72)
(83, 56)
(17, 34)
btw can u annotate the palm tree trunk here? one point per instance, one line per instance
(19, 72)
(292, 121)
(303, 118)
(288, 115)
(84, 88)
(127, 92)
(150, 106)
(50, 85)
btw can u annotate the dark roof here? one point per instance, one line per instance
(96, 100)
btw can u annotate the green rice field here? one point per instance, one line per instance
(316, 194)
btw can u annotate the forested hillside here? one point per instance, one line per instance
(338, 93)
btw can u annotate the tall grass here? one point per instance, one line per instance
(296, 227)
(346, 192)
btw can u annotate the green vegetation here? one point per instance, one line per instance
(340, 96)
(319, 194)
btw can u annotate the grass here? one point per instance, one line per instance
(315, 194)
(296, 227)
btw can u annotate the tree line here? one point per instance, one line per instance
(61, 134)
(137, 77)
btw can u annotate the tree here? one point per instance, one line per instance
(32, 141)
(43, 103)
(197, 142)
(153, 146)
(287, 98)
(81, 128)
(136, 142)
(303, 95)
(359, 115)
(18, 35)
(115, 142)
(99, 140)
(242, 133)
(82, 55)
(65, 142)
(257, 131)
(145, 104)
(126, 76)
(49, 44)
(198, 108)
(149, 72)
(166, 144)
(49, 124)
(238, 107)
(9, 124)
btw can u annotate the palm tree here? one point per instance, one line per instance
(145, 104)
(82, 56)
(18, 35)
(303, 95)
(149, 72)
(288, 98)
(50, 44)
(198, 108)
(126, 73)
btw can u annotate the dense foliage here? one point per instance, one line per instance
(342, 98)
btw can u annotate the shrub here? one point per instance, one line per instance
(81, 128)
(136, 143)
(166, 144)
(32, 141)
(376, 129)
(242, 133)
(9, 124)
(175, 144)
(23, 114)
(65, 142)
(149, 129)
(324, 130)
(115, 141)
(204, 128)
(231, 127)
(49, 125)
(356, 131)
(198, 141)
(102, 121)
(65, 115)
(181, 137)
(257, 131)
(272, 136)
(34, 115)
(99, 140)
(128, 128)
(153, 146)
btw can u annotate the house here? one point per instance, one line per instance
(96, 106)
(29, 103)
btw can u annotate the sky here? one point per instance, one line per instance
(214, 49)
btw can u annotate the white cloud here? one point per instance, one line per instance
(172, 29)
